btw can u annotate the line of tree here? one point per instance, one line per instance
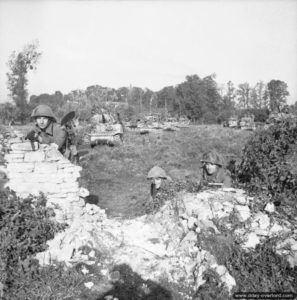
(199, 99)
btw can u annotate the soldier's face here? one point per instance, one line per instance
(42, 122)
(210, 168)
(158, 182)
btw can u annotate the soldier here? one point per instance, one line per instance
(71, 143)
(156, 175)
(47, 130)
(214, 172)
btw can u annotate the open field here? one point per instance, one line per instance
(117, 175)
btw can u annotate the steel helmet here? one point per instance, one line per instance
(213, 157)
(156, 172)
(43, 110)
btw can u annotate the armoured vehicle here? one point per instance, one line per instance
(247, 123)
(233, 122)
(105, 131)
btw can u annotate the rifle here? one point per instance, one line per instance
(32, 136)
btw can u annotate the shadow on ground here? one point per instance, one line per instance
(92, 199)
(128, 285)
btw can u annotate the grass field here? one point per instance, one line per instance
(117, 175)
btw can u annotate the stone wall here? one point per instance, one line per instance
(46, 171)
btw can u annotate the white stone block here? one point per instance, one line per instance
(41, 178)
(25, 146)
(83, 192)
(53, 154)
(14, 160)
(10, 157)
(20, 186)
(63, 162)
(228, 206)
(72, 169)
(73, 197)
(262, 232)
(34, 156)
(50, 188)
(17, 152)
(252, 240)
(69, 187)
(260, 220)
(16, 140)
(22, 167)
(45, 167)
(242, 200)
(270, 208)
(242, 212)
(192, 223)
(275, 229)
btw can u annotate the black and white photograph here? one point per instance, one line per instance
(148, 149)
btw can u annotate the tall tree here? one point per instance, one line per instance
(19, 64)
(258, 99)
(244, 95)
(277, 94)
(200, 97)
(166, 100)
(231, 93)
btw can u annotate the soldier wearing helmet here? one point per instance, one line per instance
(47, 130)
(213, 170)
(156, 175)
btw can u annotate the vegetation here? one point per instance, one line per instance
(256, 270)
(202, 100)
(19, 65)
(268, 162)
(110, 172)
(25, 227)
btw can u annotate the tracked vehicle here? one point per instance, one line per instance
(105, 131)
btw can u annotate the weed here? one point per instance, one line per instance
(25, 227)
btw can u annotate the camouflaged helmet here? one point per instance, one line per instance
(156, 172)
(43, 110)
(214, 158)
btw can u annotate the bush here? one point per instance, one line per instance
(267, 162)
(259, 269)
(25, 227)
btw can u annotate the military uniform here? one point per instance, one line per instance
(221, 176)
(53, 133)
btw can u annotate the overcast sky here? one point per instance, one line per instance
(151, 43)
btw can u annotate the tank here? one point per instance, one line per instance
(247, 123)
(233, 122)
(105, 133)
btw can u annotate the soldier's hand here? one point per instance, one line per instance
(32, 136)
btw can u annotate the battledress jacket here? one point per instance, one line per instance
(221, 176)
(53, 133)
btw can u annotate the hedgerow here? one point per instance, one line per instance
(25, 227)
(269, 162)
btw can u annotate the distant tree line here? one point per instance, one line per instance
(199, 99)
